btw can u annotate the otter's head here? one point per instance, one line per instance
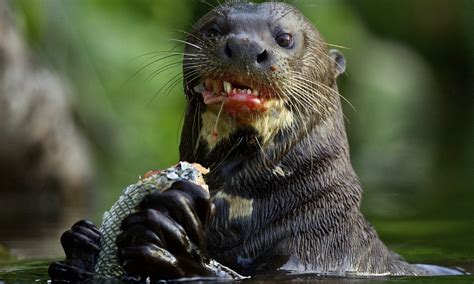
(260, 67)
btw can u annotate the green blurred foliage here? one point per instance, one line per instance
(410, 79)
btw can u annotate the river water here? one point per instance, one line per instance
(442, 242)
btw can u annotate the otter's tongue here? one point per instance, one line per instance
(243, 103)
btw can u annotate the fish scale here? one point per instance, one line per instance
(108, 266)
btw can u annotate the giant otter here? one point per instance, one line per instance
(264, 115)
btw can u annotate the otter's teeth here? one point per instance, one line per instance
(227, 87)
(249, 92)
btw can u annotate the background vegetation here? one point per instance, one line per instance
(410, 78)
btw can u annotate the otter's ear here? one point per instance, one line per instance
(339, 62)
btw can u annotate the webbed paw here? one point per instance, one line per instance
(166, 239)
(81, 245)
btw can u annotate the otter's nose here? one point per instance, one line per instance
(247, 51)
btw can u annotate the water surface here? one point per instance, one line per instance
(446, 243)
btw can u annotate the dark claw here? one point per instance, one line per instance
(90, 233)
(87, 224)
(81, 245)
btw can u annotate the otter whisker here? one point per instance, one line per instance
(300, 96)
(200, 41)
(220, 3)
(261, 149)
(332, 104)
(207, 3)
(169, 66)
(187, 43)
(234, 146)
(195, 135)
(191, 77)
(200, 63)
(329, 89)
(293, 108)
(308, 90)
(155, 54)
(191, 74)
(296, 103)
(162, 69)
(305, 127)
(305, 105)
(215, 133)
(325, 87)
(214, 7)
(191, 56)
(194, 69)
(148, 65)
(195, 56)
(172, 82)
(195, 72)
(338, 46)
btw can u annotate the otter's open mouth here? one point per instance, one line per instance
(237, 100)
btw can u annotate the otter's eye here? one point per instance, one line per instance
(285, 40)
(212, 32)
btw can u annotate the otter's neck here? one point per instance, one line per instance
(241, 166)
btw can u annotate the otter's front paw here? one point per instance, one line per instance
(82, 246)
(166, 239)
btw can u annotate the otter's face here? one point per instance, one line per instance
(257, 65)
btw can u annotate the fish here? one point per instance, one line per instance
(108, 266)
